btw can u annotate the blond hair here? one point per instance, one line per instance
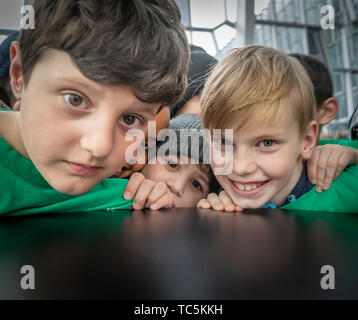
(256, 85)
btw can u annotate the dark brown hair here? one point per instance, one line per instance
(139, 43)
(319, 75)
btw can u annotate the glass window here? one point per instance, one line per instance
(2, 38)
(355, 80)
(188, 36)
(313, 14)
(262, 10)
(204, 40)
(338, 82)
(287, 11)
(224, 35)
(353, 45)
(355, 97)
(290, 39)
(231, 10)
(342, 102)
(355, 4)
(10, 14)
(355, 88)
(340, 11)
(207, 13)
(184, 9)
(314, 44)
(263, 35)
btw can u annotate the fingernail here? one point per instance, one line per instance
(319, 189)
(137, 206)
(127, 195)
(154, 206)
(147, 205)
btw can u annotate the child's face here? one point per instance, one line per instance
(188, 182)
(162, 122)
(72, 128)
(267, 163)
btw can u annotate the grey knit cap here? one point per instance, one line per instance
(184, 137)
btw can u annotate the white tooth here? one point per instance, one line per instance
(241, 187)
(253, 186)
(247, 187)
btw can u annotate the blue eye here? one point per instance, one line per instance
(267, 143)
(74, 100)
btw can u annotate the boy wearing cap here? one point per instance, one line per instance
(179, 159)
(267, 98)
(200, 65)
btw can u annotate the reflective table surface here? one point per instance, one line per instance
(180, 254)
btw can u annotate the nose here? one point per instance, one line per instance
(176, 186)
(98, 139)
(244, 162)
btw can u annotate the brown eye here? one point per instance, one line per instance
(131, 120)
(197, 185)
(74, 100)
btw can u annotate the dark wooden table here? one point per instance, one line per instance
(180, 254)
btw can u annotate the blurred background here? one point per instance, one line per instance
(293, 26)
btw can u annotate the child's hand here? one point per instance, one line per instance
(327, 163)
(147, 193)
(222, 202)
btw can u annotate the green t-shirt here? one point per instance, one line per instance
(341, 197)
(342, 142)
(24, 191)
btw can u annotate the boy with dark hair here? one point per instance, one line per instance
(331, 156)
(327, 105)
(182, 165)
(89, 72)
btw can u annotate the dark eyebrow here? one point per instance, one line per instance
(86, 86)
(141, 100)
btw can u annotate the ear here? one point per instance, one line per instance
(309, 140)
(16, 77)
(327, 111)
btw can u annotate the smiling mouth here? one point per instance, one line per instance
(247, 188)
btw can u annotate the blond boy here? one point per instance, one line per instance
(267, 98)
